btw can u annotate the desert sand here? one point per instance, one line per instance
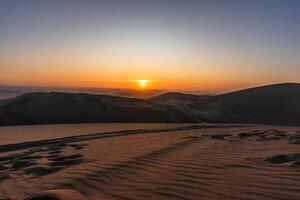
(150, 161)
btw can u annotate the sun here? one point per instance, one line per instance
(143, 83)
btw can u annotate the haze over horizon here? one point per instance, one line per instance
(208, 46)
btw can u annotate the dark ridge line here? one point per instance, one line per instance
(94, 136)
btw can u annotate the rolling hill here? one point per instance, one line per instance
(55, 108)
(272, 104)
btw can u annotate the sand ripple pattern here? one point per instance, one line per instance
(194, 162)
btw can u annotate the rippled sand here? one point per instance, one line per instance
(151, 161)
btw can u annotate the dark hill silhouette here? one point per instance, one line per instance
(183, 102)
(272, 104)
(53, 108)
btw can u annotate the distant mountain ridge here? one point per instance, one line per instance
(14, 91)
(272, 104)
(56, 107)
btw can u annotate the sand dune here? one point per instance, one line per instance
(159, 162)
(273, 104)
(56, 108)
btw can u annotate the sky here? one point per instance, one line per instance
(208, 45)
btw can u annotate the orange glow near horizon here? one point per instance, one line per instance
(116, 45)
(173, 74)
(158, 79)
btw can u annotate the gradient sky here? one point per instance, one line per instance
(193, 45)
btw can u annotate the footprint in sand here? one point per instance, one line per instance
(57, 161)
(220, 136)
(262, 135)
(295, 139)
(285, 158)
(66, 160)
(28, 161)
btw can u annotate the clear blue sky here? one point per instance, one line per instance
(203, 45)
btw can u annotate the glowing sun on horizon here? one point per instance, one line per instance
(143, 83)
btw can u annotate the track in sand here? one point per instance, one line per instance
(184, 162)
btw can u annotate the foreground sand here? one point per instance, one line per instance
(150, 161)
